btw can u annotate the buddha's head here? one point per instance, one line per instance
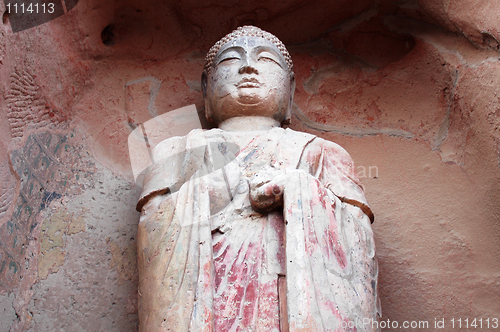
(248, 73)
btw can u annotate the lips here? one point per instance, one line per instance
(248, 82)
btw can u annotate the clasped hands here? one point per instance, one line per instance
(267, 188)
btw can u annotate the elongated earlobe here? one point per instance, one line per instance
(204, 87)
(288, 114)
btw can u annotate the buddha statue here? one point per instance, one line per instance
(250, 226)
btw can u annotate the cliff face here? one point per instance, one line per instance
(409, 88)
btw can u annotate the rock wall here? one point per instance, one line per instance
(409, 88)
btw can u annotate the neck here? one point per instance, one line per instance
(249, 123)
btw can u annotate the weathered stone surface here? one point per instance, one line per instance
(95, 286)
(48, 167)
(8, 186)
(54, 231)
(37, 241)
(26, 104)
(475, 20)
(8, 312)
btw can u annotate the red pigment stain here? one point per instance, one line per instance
(208, 314)
(242, 283)
(251, 298)
(311, 238)
(268, 310)
(341, 257)
(322, 196)
(221, 267)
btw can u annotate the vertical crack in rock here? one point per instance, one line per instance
(25, 104)
(445, 124)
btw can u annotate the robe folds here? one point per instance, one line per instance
(208, 262)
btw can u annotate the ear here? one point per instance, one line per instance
(204, 87)
(288, 114)
(204, 83)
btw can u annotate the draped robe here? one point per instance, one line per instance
(209, 262)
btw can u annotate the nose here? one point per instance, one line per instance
(248, 67)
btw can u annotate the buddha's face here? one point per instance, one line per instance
(249, 77)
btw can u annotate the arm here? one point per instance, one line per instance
(322, 160)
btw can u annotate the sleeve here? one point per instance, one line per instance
(331, 264)
(175, 262)
(180, 159)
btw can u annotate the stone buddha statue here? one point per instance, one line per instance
(252, 227)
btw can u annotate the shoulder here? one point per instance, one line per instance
(318, 145)
(330, 146)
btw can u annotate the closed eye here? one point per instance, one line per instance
(228, 59)
(268, 57)
(229, 56)
(264, 58)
